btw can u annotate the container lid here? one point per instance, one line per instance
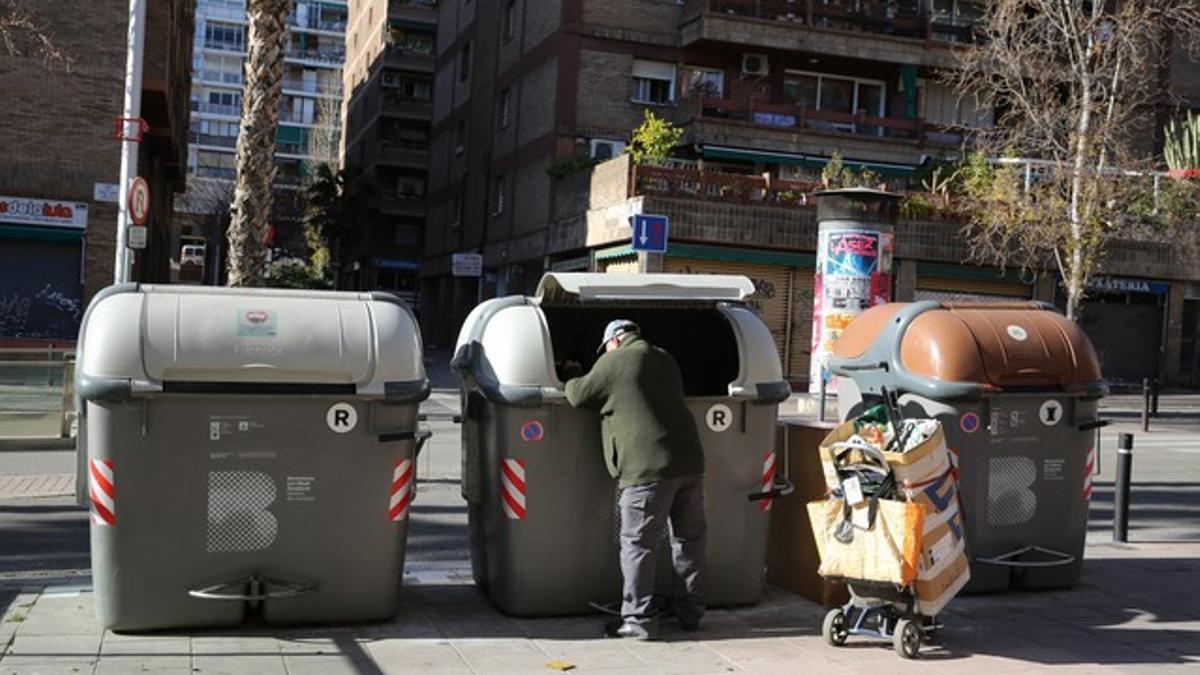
(154, 334)
(570, 287)
(995, 346)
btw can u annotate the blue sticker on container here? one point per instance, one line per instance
(532, 431)
(969, 422)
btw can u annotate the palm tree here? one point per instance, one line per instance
(251, 208)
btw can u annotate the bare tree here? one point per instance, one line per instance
(252, 196)
(1075, 84)
(23, 34)
(324, 141)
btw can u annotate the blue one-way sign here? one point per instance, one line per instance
(650, 233)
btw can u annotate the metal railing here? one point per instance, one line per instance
(219, 76)
(217, 108)
(37, 392)
(911, 19)
(722, 187)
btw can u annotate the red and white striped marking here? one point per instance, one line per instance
(1087, 474)
(102, 492)
(512, 488)
(402, 475)
(768, 479)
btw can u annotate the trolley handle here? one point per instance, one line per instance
(1010, 559)
(1094, 424)
(778, 489)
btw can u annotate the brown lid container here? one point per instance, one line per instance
(998, 345)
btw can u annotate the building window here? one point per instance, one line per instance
(835, 93)
(510, 19)
(505, 111)
(702, 82)
(498, 195)
(653, 82)
(228, 37)
(464, 63)
(460, 137)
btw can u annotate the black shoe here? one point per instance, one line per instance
(689, 625)
(621, 629)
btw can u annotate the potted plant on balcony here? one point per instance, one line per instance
(1181, 148)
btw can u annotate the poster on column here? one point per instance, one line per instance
(854, 273)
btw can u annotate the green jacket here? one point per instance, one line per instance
(649, 434)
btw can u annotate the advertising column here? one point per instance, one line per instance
(855, 245)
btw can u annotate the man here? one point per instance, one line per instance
(651, 447)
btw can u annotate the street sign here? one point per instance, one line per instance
(466, 264)
(139, 201)
(650, 233)
(106, 192)
(136, 236)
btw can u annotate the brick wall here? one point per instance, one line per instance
(611, 114)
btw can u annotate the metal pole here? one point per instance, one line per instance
(135, 42)
(1121, 489)
(823, 396)
(1154, 397)
(1146, 404)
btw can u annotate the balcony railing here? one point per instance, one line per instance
(217, 109)
(901, 19)
(210, 139)
(330, 56)
(310, 87)
(235, 47)
(410, 55)
(786, 116)
(219, 76)
(723, 187)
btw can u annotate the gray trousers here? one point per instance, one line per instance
(645, 513)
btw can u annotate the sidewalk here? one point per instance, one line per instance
(1137, 610)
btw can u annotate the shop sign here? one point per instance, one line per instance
(466, 264)
(48, 212)
(1127, 285)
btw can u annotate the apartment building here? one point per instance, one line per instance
(309, 116)
(388, 81)
(61, 164)
(766, 91)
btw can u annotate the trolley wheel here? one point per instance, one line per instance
(907, 638)
(834, 627)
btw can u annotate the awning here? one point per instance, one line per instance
(799, 159)
(287, 134)
(40, 233)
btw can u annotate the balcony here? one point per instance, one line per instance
(396, 204)
(783, 127)
(217, 109)
(220, 77)
(211, 140)
(398, 105)
(316, 88)
(331, 58)
(410, 56)
(691, 183)
(317, 24)
(895, 32)
(221, 46)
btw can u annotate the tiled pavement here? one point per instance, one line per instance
(1137, 610)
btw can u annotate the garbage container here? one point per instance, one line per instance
(1016, 387)
(246, 450)
(541, 503)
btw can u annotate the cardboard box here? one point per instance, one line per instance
(792, 558)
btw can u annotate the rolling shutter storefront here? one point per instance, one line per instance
(955, 283)
(41, 268)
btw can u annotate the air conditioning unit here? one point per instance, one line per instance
(602, 148)
(390, 80)
(755, 65)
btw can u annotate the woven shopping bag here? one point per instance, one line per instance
(887, 550)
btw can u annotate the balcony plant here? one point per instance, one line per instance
(653, 140)
(1181, 147)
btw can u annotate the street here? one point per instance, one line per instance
(1137, 607)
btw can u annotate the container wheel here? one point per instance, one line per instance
(834, 627)
(907, 638)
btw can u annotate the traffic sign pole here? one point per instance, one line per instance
(135, 45)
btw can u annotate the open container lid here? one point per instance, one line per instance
(569, 287)
(505, 349)
(950, 350)
(149, 338)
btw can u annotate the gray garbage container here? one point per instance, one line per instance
(541, 503)
(246, 449)
(1016, 387)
